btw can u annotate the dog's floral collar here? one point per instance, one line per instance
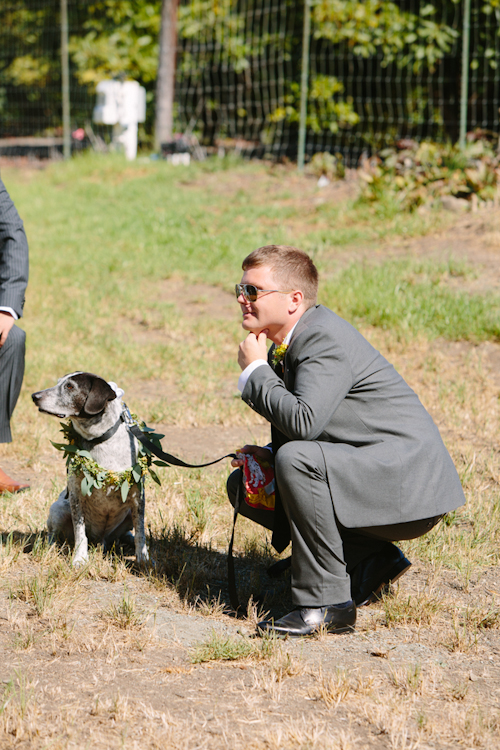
(96, 476)
(279, 353)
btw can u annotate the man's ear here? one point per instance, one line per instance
(100, 393)
(296, 299)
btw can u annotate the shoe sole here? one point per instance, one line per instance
(396, 572)
(280, 634)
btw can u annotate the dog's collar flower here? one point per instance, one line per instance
(279, 353)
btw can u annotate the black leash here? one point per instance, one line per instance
(136, 431)
(167, 457)
(231, 578)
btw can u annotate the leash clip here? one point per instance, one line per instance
(127, 416)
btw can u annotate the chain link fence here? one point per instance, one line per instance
(379, 71)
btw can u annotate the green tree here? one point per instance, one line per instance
(218, 44)
(29, 66)
(379, 26)
(121, 39)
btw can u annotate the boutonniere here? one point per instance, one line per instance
(279, 353)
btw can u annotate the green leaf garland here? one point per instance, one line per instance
(79, 461)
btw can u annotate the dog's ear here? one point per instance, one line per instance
(100, 393)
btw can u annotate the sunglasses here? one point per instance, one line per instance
(250, 292)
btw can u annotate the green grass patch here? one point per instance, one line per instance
(220, 647)
(412, 298)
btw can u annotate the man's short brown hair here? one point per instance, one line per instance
(291, 268)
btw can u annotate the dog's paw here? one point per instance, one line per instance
(142, 557)
(79, 561)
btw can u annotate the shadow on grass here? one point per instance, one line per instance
(198, 573)
(180, 562)
(27, 542)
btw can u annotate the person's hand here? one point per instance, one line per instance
(6, 323)
(255, 450)
(252, 348)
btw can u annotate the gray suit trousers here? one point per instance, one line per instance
(323, 551)
(11, 378)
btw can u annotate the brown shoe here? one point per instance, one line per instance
(10, 485)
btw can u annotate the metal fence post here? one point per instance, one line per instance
(464, 93)
(304, 85)
(65, 81)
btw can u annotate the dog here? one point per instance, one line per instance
(95, 408)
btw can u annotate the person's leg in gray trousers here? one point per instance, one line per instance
(324, 551)
(11, 378)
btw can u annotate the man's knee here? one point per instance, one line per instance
(301, 456)
(287, 457)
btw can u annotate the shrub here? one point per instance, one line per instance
(420, 173)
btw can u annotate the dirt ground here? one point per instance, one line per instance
(421, 670)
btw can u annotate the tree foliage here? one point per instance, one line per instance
(28, 44)
(222, 28)
(375, 27)
(120, 38)
(30, 70)
(325, 111)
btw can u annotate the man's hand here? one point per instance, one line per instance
(252, 348)
(6, 323)
(255, 450)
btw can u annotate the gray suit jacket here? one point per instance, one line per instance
(13, 255)
(385, 459)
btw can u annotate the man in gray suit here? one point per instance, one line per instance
(358, 461)
(13, 281)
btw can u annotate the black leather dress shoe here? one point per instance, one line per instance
(337, 618)
(378, 570)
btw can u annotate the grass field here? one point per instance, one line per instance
(132, 271)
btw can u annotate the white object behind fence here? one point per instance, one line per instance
(123, 105)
